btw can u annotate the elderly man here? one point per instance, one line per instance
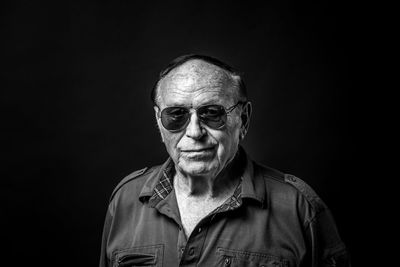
(209, 204)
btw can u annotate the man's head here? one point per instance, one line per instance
(201, 140)
(236, 76)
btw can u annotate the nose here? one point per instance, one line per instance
(194, 129)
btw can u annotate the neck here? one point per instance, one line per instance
(209, 186)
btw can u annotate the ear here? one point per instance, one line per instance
(245, 116)
(158, 120)
(156, 111)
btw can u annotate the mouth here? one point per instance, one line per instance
(205, 149)
(198, 153)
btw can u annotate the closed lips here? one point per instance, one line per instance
(197, 150)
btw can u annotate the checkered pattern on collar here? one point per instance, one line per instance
(165, 186)
(234, 202)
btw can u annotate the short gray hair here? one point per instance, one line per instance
(235, 75)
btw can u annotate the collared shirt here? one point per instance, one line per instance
(165, 186)
(272, 219)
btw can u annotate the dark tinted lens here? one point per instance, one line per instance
(212, 115)
(174, 118)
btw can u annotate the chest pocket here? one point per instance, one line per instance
(139, 256)
(236, 258)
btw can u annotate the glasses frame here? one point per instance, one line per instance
(227, 111)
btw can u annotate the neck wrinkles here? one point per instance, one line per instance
(211, 187)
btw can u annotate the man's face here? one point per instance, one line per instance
(199, 150)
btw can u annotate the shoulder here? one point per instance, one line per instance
(306, 191)
(133, 180)
(287, 187)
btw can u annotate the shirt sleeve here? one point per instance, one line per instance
(326, 249)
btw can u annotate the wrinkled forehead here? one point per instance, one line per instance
(196, 76)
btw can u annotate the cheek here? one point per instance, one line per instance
(228, 144)
(171, 142)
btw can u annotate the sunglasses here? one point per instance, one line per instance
(175, 119)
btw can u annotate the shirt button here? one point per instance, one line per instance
(199, 229)
(191, 251)
(227, 261)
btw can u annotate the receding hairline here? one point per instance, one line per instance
(198, 69)
(180, 62)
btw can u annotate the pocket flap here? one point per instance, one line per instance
(139, 256)
(246, 258)
(136, 260)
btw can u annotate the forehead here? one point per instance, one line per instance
(197, 82)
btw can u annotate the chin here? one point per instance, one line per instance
(196, 168)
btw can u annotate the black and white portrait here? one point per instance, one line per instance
(179, 133)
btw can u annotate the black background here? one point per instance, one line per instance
(77, 116)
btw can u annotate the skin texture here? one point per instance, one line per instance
(202, 154)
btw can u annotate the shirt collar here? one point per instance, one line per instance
(154, 179)
(253, 185)
(160, 182)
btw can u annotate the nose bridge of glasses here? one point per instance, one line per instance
(193, 126)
